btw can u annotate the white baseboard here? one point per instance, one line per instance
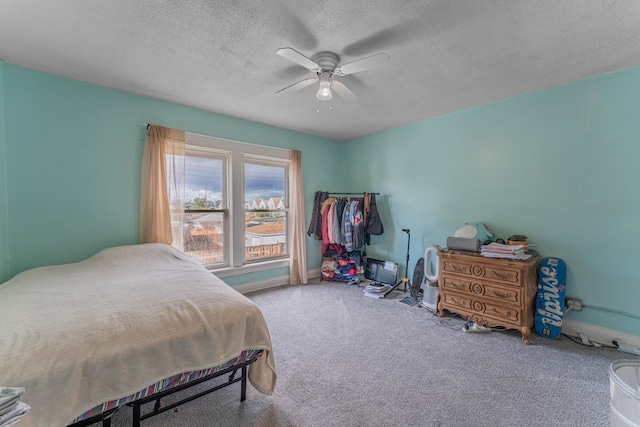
(259, 285)
(312, 274)
(597, 333)
(273, 282)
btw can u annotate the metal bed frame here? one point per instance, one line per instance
(138, 417)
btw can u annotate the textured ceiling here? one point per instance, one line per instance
(220, 56)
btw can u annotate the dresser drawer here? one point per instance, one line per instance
(507, 295)
(480, 270)
(458, 301)
(456, 284)
(479, 288)
(502, 313)
(457, 267)
(502, 274)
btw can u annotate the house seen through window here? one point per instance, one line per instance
(235, 202)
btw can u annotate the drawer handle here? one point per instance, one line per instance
(458, 302)
(503, 276)
(501, 294)
(457, 285)
(507, 314)
(457, 267)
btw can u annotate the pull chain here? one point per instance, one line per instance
(318, 106)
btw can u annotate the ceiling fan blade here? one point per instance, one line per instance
(343, 91)
(402, 32)
(298, 58)
(363, 64)
(297, 86)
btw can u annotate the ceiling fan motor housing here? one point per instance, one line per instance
(328, 61)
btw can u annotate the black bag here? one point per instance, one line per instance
(374, 223)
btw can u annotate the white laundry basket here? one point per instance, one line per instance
(624, 382)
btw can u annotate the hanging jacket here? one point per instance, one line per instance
(336, 236)
(315, 225)
(330, 221)
(366, 209)
(347, 225)
(339, 215)
(324, 213)
(358, 225)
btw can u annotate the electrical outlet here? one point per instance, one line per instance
(573, 303)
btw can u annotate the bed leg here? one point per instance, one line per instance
(106, 422)
(243, 384)
(156, 406)
(136, 416)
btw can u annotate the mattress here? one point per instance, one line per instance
(78, 335)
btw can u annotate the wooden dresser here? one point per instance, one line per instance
(489, 291)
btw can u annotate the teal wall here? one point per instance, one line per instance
(4, 220)
(561, 165)
(73, 153)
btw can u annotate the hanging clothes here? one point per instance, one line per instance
(335, 234)
(315, 225)
(366, 209)
(324, 223)
(330, 221)
(358, 226)
(347, 228)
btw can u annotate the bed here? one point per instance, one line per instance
(86, 337)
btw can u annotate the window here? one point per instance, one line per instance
(265, 212)
(206, 214)
(235, 202)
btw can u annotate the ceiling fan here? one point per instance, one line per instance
(327, 66)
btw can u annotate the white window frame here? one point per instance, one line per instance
(199, 151)
(236, 153)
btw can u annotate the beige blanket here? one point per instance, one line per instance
(80, 334)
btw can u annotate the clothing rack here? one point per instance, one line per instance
(343, 245)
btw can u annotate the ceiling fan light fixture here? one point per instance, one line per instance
(324, 93)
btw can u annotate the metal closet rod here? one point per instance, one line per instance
(349, 194)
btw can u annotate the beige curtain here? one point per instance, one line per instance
(297, 240)
(162, 186)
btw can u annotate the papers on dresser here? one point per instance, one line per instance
(499, 250)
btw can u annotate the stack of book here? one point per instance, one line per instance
(11, 408)
(498, 250)
(376, 290)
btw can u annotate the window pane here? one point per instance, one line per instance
(204, 183)
(204, 232)
(264, 186)
(265, 232)
(204, 236)
(265, 235)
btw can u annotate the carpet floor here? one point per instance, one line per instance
(347, 360)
